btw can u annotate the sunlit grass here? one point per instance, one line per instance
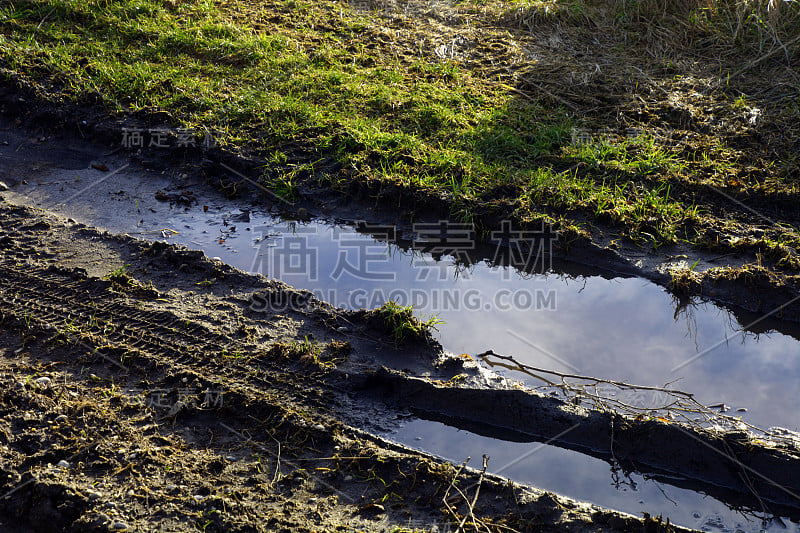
(304, 79)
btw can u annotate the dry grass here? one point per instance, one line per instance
(760, 25)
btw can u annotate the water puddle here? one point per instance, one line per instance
(585, 478)
(626, 329)
(570, 319)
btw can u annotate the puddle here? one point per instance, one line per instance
(584, 478)
(624, 329)
(571, 320)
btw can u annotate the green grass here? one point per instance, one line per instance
(402, 324)
(309, 352)
(303, 84)
(119, 273)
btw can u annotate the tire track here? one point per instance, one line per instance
(89, 306)
(56, 302)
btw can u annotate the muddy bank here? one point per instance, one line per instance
(150, 396)
(174, 320)
(195, 277)
(729, 465)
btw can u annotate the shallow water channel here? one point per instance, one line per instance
(570, 319)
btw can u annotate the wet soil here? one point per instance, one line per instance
(154, 373)
(141, 391)
(156, 399)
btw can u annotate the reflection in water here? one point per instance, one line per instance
(634, 401)
(685, 309)
(570, 320)
(586, 478)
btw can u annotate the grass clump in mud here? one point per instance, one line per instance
(685, 281)
(309, 352)
(401, 323)
(121, 281)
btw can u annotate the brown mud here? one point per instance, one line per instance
(174, 405)
(152, 397)
(247, 432)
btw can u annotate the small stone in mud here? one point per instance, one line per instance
(319, 427)
(101, 520)
(3, 186)
(61, 419)
(119, 526)
(93, 495)
(63, 464)
(43, 381)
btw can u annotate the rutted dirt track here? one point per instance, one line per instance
(47, 296)
(156, 398)
(80, 451)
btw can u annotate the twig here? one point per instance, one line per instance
(748, 482)
(545, 91)
(681, 409)
(451, 486)
(490, 353)
(45, 18)
(471, 506)
(650, 80)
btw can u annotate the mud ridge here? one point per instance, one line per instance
(721, 462)
(231, 467)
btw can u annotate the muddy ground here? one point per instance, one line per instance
(155, 399)
(149, 387)
(141, 391)
(724, 104)
(725, 109)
